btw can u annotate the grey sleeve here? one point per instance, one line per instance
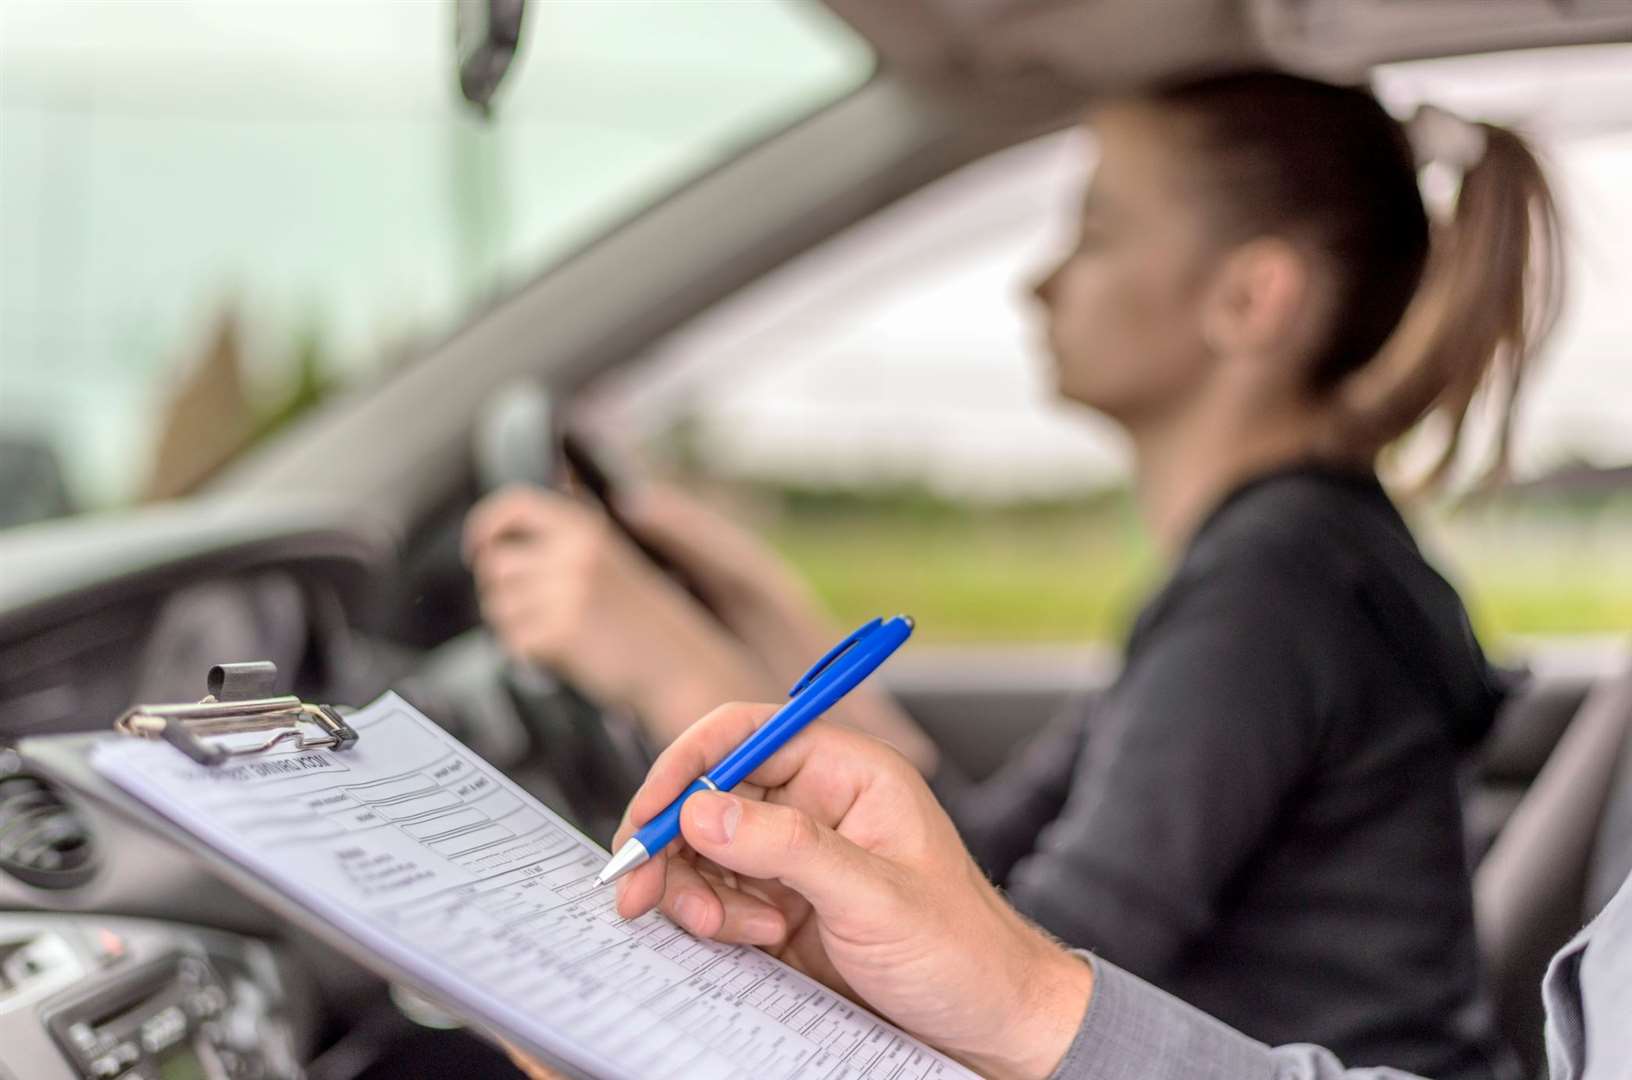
(1588, 995)
(1133, 1031)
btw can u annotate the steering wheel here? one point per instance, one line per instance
(593, 756)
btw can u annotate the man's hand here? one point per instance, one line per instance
(837, 858)
(561, 587)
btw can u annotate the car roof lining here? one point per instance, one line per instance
(1104, 45)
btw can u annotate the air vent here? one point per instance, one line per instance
(42, 841)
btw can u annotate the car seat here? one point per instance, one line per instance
(1531, 891)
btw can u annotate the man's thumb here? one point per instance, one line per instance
(766, 840)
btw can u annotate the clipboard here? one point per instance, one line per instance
(238, 702)
(237, 723)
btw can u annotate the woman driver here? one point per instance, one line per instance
(1261, 815)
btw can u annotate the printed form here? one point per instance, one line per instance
(417, 849)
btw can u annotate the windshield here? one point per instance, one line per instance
(208, 207)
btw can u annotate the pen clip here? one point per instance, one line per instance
(833, 654)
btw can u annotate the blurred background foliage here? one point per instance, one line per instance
(1528, 563)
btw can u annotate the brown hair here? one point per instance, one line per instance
(1425, 316)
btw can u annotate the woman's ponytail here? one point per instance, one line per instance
(1490, 294)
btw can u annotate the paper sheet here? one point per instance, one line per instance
(422, 852)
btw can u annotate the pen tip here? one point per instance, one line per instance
(631, 855)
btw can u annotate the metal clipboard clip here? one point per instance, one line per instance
(240, 700)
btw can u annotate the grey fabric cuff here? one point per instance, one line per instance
(1133, 1031)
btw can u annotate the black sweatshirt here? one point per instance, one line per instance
(1261, 815)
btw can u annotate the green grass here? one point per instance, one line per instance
(1072, 574)
(974, 581)
(1570, 576)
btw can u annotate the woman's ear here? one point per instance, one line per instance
(1257, 305)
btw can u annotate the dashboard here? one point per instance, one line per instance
(120, 957)
(127, 999)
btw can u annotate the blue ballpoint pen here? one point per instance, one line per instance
(832, 677)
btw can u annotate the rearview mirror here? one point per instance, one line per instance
(31, 481)
(486, 36)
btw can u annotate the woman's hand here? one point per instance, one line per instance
(837, 858)
(561, 587)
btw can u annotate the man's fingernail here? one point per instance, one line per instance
(689, 910)
(715, 816)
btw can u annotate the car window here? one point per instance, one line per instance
(213, 213)
(883, 407)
